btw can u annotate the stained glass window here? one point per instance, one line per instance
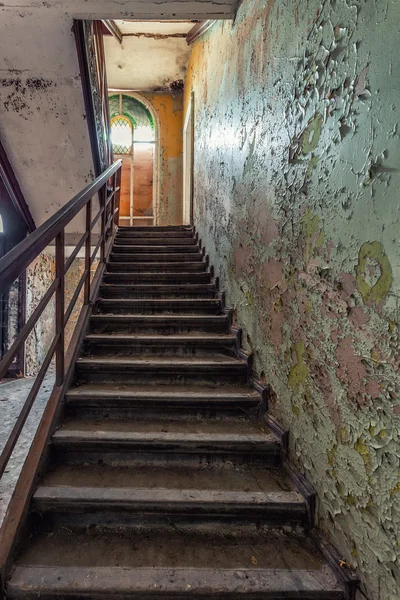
(121, 135)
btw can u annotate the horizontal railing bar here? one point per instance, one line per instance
(95, 251)
(27, 328)
(96, 218)
(23, 415)
(74, 298)
(110, 197)
(18, 259)
(75, 253)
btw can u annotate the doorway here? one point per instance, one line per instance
(134, 134)
(188, 152)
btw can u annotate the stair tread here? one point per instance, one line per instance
(180, 316)
(184, 337)
(172, 361)
(128, 582)
(195, 430)
(228, 392)
(174, 561)
(247, 479)
(161, 301)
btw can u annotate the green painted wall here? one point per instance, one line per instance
(297, 200)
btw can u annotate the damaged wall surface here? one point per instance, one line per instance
(296, 180)
(43, 122)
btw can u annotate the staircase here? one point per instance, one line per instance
(164, 480)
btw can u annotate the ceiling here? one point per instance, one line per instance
(154, 27)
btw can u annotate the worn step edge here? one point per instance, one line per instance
(48, 583)
(147, 340)
(156, 249)
(171, 501)
(152, 365)
(167, 442)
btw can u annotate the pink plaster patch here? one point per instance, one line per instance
(352, 372)
(348, 285)
(358, 317)
(271, 274)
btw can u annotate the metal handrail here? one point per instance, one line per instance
(13, 264)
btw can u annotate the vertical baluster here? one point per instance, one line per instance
(118, 193)
(88, 251)
(60, 250)
(114, 184)
(103, 196)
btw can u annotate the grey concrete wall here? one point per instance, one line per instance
(296, 198)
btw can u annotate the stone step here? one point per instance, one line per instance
(247, 492)
(159, 323)
(125, 247)
(156, 257)
(160, 441)
(171, 563)
(164, 240)
(128, 401)
(157, 278)
(158, 291)
(97, 343)
(163, 369)
(158, 233)
(203, 306)
(153, 267)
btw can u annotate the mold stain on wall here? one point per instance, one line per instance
(296, 199)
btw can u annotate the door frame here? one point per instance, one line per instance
(188, 163)
(157, 147)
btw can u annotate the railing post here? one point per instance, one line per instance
(117, 196)
(60, 251)
(103, 197)
(88, 249)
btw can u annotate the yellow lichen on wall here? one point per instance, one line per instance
(169, 110)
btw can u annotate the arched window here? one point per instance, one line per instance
(134, 141)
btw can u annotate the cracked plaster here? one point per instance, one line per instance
(296, 200)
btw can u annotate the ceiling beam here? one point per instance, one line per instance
(113, 29)
(199, 29)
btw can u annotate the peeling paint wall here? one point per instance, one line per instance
(169, 109)
(296, 182)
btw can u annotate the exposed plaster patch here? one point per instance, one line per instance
(372, 261)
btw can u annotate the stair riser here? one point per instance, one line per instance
(78, 454)
(157, 278)
(141, 267)
(125, 348)
(169, 324)
(109, 410)
(163, 378)
(156, 257)
(146, 307)
(153, 292)
(125, 515)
